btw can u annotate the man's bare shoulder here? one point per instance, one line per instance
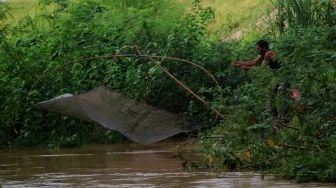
(270, 54)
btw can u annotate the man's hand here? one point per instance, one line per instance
(241, 65)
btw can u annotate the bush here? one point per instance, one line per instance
(85, 29)
(305, 143)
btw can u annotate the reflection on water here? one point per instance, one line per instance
(116, 166)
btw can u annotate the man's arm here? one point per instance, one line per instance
(269, 55)
(246, 65)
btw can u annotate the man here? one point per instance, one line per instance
(265, 54)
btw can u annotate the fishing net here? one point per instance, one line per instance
(139, 122)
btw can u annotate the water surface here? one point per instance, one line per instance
(118, 166)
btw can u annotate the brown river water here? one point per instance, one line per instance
(119, 166)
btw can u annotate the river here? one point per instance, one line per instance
(124, 165)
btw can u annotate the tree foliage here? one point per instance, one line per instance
(88, 29)
(303, 148)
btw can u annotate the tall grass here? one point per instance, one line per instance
(305, 13)
(20, 9)
(230, 15)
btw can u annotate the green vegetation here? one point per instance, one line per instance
(232, 16)
(20, 9)
(301, 145)
(304, 147)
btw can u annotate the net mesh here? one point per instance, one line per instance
(139, 122)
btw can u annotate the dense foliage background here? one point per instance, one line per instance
(303, 145)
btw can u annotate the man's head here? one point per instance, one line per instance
(262, 46)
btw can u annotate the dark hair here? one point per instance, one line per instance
(263, 44)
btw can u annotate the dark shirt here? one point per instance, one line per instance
(273, 64)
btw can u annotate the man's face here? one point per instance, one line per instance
(258, 48)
